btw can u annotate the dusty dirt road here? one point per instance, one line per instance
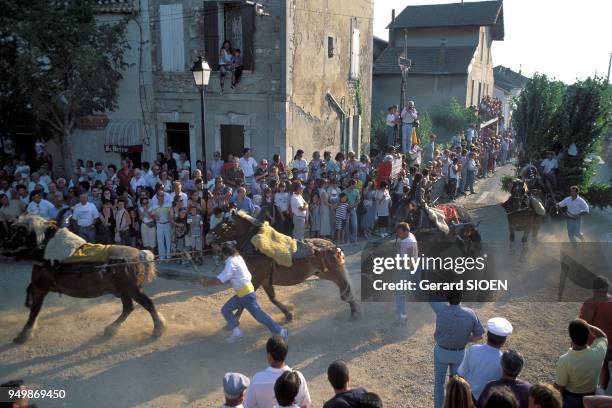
(185, 367)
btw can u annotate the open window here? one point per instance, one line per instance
(355, 49)
(232, 21)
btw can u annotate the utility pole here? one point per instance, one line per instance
(609, 64)
(404, 64)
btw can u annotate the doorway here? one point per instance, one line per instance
(232, 140)
(177, 137)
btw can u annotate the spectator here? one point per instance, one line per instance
(147, 227)
(237, 67)
(428, 150)
(243, 202)
(196, 223)
(299, 209)
(408, 247)
(409, 116)
(338, 377)
(225, 62)
(598, 312)
(85, 215)
(39, 206)
(512, 364)
(481, 362)
(458, 393)
(578, 369)
(501, 397)
(124, 174)
(10, 210)
(123, 222)
(391, 121)
(341, 208)
(217, 164)
(106, 229)
(234, 387)
(544, 396)
(353, 200)
(456, 325)
(300, 164)
(177, 191)
(383, 204)
(286, 389)
(137, 181)
(160, 208)
(234, 177)
(248, 165)
(314, 215)
(369, 400)
(324, 209)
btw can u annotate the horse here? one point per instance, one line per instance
(520, 211)
(327, 262)
(123, 274)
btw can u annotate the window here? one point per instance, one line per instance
(172, 42)
(330, 47)
(231, 21)
(355, 49)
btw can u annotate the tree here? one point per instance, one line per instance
(452, 116)
(582, 119)
(535, 114)
(66, 65)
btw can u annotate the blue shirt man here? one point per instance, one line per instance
(243, 202)
(456, 325)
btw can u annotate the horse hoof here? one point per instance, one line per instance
(159, 329)
(289, 318)
(110, 331)
(23, 338)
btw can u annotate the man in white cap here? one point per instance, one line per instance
(234, 387)
(481, 362)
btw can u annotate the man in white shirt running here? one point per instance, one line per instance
(261, 392)
(482, 362)
(237, 273)
(85, 214)
(576, 208)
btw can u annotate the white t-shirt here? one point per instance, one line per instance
(382, 207)
(260, 393)
(85, 214)
(574, 206)
(44, 208)
(548, 165)
(162, 210)
(298, 201)
(480, 365)
(136, 182)
(248, 166)
(236, 272)
(409, 246)
(302, 166)
(391, 120)
(281, 200)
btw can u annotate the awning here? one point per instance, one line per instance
(122, 136)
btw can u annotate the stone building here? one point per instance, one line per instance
(449, 46)
(306, 82)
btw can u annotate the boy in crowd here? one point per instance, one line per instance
(237, 67)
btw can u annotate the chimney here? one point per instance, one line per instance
(390, 30)
(442, 54)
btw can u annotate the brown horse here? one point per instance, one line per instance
(327, 262)
(521, 214)
(123, 275)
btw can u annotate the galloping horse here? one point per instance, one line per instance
(327, 262)
(521, 213)
(123, 275)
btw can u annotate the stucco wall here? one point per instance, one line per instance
(481, 69)
(312, 121)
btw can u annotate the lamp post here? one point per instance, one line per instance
(201, 76)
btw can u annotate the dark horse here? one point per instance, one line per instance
(327, 262)
(123, 275)
(521, 213)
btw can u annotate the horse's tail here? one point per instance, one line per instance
(147, 258)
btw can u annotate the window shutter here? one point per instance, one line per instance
(211, 34)
(248, 34)
(355, 47)
(172, 41)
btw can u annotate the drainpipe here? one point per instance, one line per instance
(343, 115)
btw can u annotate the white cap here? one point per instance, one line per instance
(499, 326)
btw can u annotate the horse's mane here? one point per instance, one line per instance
(243, 215)
(36, 224)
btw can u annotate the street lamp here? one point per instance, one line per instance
(201, 76)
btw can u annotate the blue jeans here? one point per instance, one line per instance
(400, 295)
(249, 302)
(391, 135)
(406, 137)
(352, 218)
(573, 229)
(444, 360)
(504, 157)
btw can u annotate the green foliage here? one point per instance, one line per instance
(598, 195)
(535, 114)
(378, 132)
(452, 116)
(506, 183)
(425, 127)
(65, 65)
(582, 119)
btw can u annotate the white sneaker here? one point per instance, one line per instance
(235, 336)
(284, 333)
